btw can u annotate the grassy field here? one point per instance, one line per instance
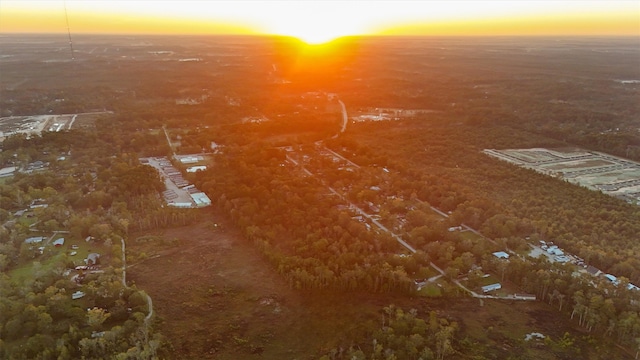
(430, 290)
(54, 255)
(489, 280)
(27, 270)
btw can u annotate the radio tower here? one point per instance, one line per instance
(68, 30)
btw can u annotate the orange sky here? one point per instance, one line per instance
(323, 20)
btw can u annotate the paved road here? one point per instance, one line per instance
(384, 228)
(168, 140)
(150, 314)
(354, 206)
(345, 119)
(305, 170)
(342, 158)
(73, 119)
(442, 213)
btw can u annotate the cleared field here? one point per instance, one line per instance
(88, 120)
(597, 171)
(24, 124)
(217, 298)
(36, 124)
(579, 164)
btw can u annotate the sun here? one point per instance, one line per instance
(315, 22)
(316, 37)
(314, 32)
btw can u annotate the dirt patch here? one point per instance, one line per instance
(585, 164)
(216, 297)
(501, 327)
(206, 288)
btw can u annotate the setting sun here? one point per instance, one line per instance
(316, 23)
(313, 30)
(315, 36)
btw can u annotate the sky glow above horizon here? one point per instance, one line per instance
(317, 21)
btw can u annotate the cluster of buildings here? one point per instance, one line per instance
(91, 261)
(614, 280)
(170, 172)
(381, 114)
(556, 252)
(179, 192)
(560, 256)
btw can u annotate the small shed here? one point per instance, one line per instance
(77, 295)
(58, 242)
(501, 255)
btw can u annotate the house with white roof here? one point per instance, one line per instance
(491, 287)
(501, 255)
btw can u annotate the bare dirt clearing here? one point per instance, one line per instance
(36, 124)
(610, 174)
(217, 298)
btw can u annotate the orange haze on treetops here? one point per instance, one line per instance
(322, 21)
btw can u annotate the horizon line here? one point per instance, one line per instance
(337, 38)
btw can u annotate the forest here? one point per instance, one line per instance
(300, 227)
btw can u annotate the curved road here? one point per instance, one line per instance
(345, 119)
